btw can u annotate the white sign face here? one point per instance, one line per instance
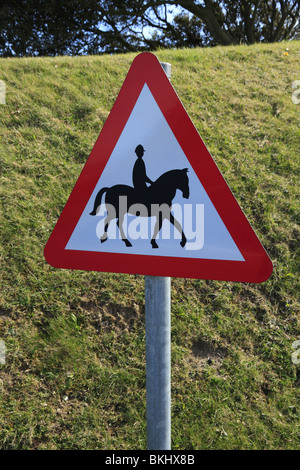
(206, 235)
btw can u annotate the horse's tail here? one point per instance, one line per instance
(98, 200)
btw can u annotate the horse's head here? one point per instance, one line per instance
(164, 188)
(184, 183)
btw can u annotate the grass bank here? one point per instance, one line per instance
(74, 372)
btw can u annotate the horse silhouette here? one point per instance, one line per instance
(149, 201)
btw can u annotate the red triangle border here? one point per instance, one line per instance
(257, 266)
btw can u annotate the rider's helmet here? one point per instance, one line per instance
(139, 150)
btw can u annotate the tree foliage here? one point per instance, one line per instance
(40, 27)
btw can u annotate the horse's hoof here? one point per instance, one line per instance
(182, 243)
(103, 239)
(154, 244)
(127, 243)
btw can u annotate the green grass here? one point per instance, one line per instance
(74, 376)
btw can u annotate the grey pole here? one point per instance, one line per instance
(158, 355)
(158, 361)
(167, 68)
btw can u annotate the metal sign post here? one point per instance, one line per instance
(158, 361)
(158, 354)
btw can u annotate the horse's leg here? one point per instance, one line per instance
(179, 228)
(107, 221)
(157, 227)
(120, 226)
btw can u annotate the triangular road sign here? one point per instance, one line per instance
(150, 165)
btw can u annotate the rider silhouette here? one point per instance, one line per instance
(139, 176)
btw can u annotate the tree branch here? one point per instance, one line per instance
(206, 13)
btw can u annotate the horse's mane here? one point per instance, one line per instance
(165, 177)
